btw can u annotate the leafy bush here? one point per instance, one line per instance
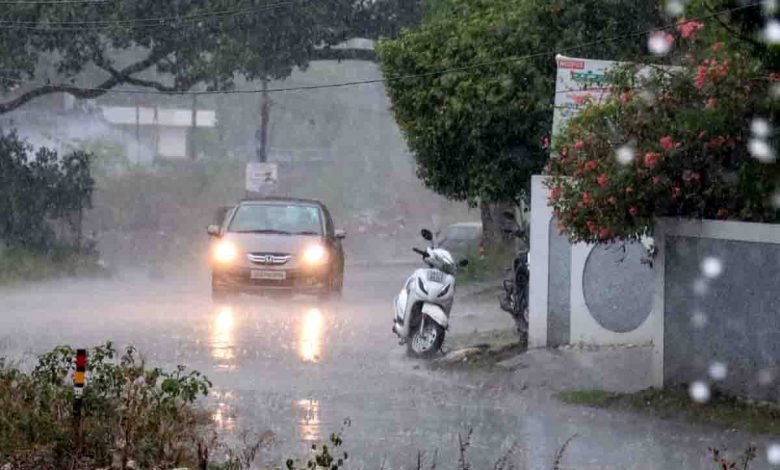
(693, 141)
(130, 412)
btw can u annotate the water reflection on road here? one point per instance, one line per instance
(222, 341)
(312, 332)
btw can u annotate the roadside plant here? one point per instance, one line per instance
(690, 141)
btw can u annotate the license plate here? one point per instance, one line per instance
(269, 275)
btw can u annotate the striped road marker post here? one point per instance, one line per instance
(79, 378)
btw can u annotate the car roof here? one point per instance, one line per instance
(280, 200)
(466, 225)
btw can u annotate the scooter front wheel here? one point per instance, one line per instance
(426, 342)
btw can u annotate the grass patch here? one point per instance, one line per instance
(489, 267)
(18, 265)
(675, 403)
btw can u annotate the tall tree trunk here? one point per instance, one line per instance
(493, 224)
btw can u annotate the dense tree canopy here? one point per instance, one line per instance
(171, 46)
(477, 132)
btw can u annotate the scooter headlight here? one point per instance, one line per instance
(421, 285)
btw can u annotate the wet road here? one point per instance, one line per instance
(301, 368)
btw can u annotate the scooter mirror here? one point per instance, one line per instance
(426, 234)
(463, 263)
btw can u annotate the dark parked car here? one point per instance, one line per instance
(462, 239)
(276, 244)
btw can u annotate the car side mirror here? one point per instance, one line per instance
(340, 234)
(426, 234)
(463, 263)
(213, 230)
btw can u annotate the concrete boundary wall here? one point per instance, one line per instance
(717, 302)
(583, 293)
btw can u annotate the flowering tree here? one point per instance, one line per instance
(691, 141)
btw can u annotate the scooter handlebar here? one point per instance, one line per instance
(420, 252)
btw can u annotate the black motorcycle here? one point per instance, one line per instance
(514, 300)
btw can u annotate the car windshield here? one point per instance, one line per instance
(276, 218)
(462, 233)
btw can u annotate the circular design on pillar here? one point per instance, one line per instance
(618, 288)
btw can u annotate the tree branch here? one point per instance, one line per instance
(118, 77)
(329, 53)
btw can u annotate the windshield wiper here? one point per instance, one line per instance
(307, 232)
(269, 231)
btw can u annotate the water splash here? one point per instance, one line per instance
(761, 128)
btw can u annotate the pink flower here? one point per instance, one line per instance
(656, 180)
(591, 165)
(688, 28)
(717, 46)
(651, 159)
(625, 98)
(603, 180)
(579, 145)
(612, 200)
(555, 194)
(703, 135)
(629, 190)
(604, 233)
(667, 143)
(633, 210)
(711, 102)
(586, 199)
(592, 226)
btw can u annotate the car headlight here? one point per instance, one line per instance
(315, 254)
(225, 252)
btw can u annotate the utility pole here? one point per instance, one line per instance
(265, 112)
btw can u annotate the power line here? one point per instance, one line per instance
(464, 68)
(138, 23)
(51, 2)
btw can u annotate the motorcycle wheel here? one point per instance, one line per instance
(426, 343)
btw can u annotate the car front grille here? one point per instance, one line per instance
(269, 259)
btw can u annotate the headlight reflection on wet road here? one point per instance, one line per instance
(222, 337)
(309, 424)
(312, 331)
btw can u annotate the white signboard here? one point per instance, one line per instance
(261, 177)
(579, 82)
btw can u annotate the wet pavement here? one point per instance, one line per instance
(300, 368)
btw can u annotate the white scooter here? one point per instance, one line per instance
(422, 309)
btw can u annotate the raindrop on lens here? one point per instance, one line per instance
(625, 155)
(772, 32)
(712, 267)
(674, 7)
(761, 151)
(700, 392)
(700, 287)
(659, 43)
(773, 454)
(760, 128)
(699, 320)
(718, 371)
(776, 199)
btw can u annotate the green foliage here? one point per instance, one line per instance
(130, 411)
(691, 134)
(38, 189)
(18, 264)
(477, 134)
(186, 42)
(324, 457)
